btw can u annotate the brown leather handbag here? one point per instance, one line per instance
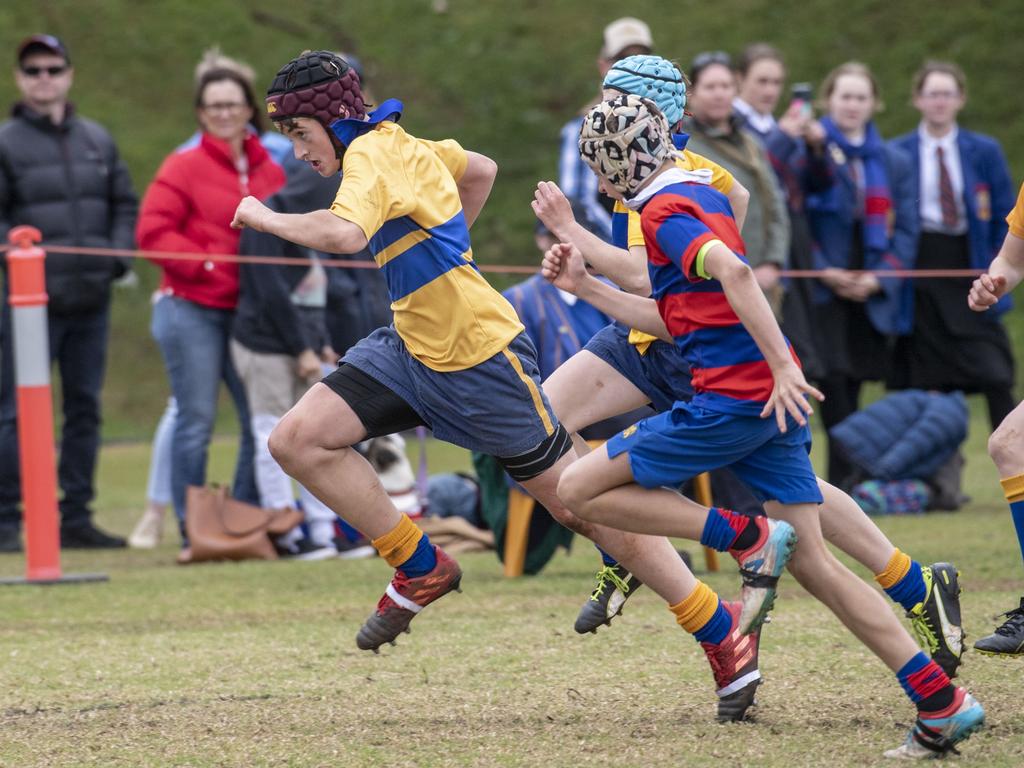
(222, 528)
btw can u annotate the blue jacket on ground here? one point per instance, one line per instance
(905, 435)
(988, 195)
(831, 218)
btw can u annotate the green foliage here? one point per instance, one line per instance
(502, 77)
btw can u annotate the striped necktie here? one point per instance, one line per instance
(946, 198)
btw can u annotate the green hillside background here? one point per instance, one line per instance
(502, 77)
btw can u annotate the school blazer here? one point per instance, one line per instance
(988, 195)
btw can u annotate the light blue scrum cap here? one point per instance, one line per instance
(654, 78)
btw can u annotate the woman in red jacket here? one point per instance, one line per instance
(188, 209)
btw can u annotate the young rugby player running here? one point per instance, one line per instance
(456, 359)
(622, 368)
(708, 304)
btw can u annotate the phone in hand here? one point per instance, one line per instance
(803, 94)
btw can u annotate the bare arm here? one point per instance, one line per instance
(320, 230)
(627, 270)
(475, 185)
(563, 267)
(751, 307)
(1004, 274)
(739, 199)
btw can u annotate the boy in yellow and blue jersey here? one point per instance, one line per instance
(456, 359)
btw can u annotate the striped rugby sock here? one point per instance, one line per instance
(902, 580)
(407, 548)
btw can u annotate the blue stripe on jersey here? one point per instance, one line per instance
(620, 229)
(453, 234)
(719, 347)
(391, 232)
(419, 265)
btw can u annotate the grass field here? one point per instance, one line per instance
(254, 664)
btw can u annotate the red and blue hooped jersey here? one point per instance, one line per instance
(729, 372)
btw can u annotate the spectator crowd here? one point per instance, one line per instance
(816, 185)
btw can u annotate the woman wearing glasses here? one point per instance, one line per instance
(865, 220)
(966, 194)
(187, 210)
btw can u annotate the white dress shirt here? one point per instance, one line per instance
(763, 124)
(931, 202)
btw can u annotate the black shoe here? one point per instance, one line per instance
(936, 620)
(353, 550)
(614, 586)
(304, 549)
(10, 540)
(88, 536)
(1008, 639)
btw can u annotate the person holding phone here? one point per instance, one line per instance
(795, 148)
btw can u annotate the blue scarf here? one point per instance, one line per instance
(348, 129)
(877, 194)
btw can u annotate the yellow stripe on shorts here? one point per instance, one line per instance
(538, 401)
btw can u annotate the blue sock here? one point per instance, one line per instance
(718, 534)
(605, 557)
(717, 629)
(1017, 512)
(422, 561)
(910, 590)
(347, 530)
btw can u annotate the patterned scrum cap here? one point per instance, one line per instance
(654, 78)
(317, 84)
(625, 140)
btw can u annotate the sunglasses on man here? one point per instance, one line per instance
(51, 71)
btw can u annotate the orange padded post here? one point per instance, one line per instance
(25, 267)
(517, 531)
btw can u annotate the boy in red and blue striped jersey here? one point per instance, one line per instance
(706, 301)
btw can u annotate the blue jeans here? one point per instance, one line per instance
(78, 344)
(194, 343)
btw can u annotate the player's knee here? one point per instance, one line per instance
(1005, 449)
(286, 441)
(573, 490)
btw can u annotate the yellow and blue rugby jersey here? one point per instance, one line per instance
(401, 192)
(721, 180)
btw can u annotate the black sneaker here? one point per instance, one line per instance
(614, 586)
(936, 621)
(1008, 639)
(88, 536)
(10, 540)
(353, 550)
(304, 549)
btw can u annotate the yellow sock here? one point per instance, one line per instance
(696, 609)
(1013, 488)
(897, 568)
(397, 545)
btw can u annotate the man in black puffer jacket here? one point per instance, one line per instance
(62, 174)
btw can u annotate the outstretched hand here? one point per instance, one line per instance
(552, 207)
(789, 396)
(563, 267)
(986, 291)
(250, 213)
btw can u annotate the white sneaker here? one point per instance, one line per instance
(148, 531)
